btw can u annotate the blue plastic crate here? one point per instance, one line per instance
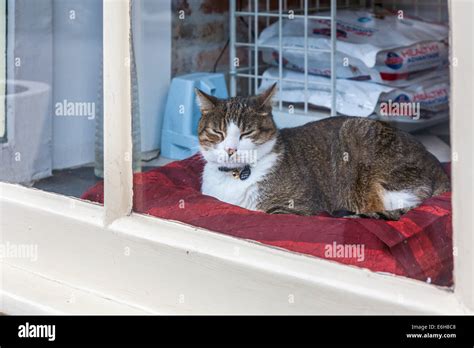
(179, 134)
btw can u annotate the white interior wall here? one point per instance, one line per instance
(77, 61)
(77, 37)
(152, 39)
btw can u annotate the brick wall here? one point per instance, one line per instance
(199, 37)
(201, 29)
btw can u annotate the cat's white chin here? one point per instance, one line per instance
(220, 157)
(246, 156)
(225, 187)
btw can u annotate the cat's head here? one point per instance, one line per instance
(237, 131)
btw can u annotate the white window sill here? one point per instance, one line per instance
(165, 267)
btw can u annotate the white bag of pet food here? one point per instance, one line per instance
(382, 48)
(358, 98)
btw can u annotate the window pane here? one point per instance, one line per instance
(350, 189)
(52, 111)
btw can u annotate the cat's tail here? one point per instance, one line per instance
(393, 215)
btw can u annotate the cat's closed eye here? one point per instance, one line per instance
(247, 133)
(211, 136)
(217, 132)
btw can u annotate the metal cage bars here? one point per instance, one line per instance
(253, 72)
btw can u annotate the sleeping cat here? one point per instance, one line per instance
(347, 166)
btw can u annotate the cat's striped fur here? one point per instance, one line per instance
(356, 166)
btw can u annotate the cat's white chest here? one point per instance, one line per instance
(244, 193)
(226, 188)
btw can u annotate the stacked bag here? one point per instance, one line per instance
(379, 57)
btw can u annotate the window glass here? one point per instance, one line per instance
(51, 119)
(344, 186)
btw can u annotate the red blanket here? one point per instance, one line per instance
(419, 245)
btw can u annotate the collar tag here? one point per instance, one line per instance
(245, 173)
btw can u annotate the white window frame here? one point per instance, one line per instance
(95, 259)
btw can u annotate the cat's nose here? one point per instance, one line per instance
(231, 151)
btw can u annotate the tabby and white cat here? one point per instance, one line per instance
(347, 166)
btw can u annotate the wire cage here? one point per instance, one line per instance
(248, 18)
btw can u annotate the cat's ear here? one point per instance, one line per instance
(265, 99)
(205, 101)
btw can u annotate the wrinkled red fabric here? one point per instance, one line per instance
(418, 246)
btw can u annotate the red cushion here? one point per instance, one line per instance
(419, 245)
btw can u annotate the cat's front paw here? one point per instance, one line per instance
(354, 216)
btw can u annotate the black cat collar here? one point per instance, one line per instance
(238, 173)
